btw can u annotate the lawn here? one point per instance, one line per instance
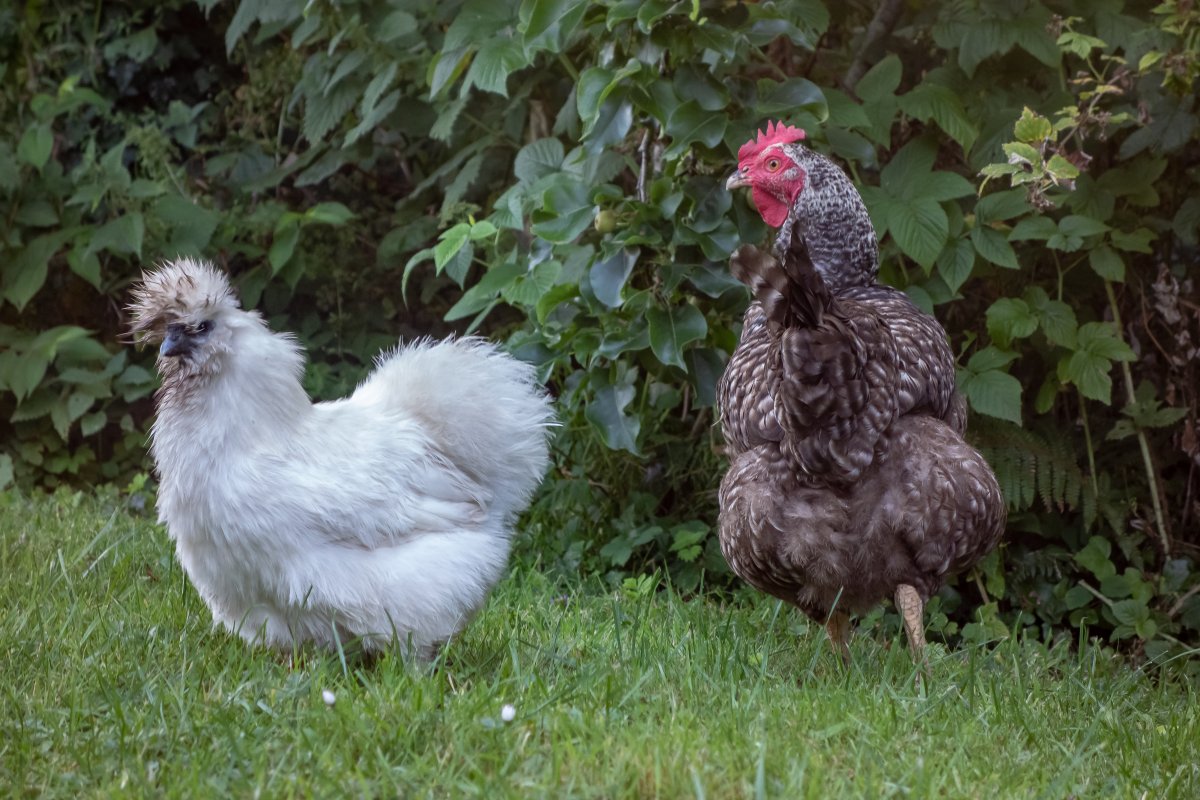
(115, 684)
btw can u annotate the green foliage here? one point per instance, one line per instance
(552, 173)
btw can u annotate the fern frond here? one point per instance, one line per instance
(1030, 464)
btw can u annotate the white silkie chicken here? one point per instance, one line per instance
(385, 516)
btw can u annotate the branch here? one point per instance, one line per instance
(880, 26)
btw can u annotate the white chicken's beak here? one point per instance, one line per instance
(736, 181)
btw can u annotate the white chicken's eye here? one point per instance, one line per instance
(204, 327)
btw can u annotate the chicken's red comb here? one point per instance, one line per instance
(775, 133)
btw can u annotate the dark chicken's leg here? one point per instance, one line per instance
(912, 611)
(838, 629)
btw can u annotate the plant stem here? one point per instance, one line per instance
(1143, 443)
(1087, 438)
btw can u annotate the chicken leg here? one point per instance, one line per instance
(838, 629)
(912, 611)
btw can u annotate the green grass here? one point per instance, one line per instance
(116, 684)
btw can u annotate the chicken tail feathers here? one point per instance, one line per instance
(484, 409)
(792, 292)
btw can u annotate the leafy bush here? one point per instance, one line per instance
(551, 172)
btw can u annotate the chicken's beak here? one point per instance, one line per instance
(736, 181)
(176, 342)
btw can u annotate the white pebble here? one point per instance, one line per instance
(329, 697)
(507, 712)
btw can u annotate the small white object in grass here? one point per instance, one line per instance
(329, 697)
(507, 712)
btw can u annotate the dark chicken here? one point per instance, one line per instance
(849, 479)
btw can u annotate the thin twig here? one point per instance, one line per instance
(1143, 443)
(644, 154)
(880, 26)
(1175, 609)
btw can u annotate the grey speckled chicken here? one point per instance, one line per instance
(849, 479)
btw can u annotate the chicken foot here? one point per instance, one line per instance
(912, 611)
(837, 626)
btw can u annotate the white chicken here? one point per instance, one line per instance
(384, 517)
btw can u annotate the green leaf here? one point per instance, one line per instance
(36, 144)
(329, 213)
(392, 27)
(25, 274)
(607, 277)
(1032, 128)
(1081, 226)
(1102, 339)
(990, 358)
(790, 96)
(1138, 241)
(673, 327)
(283, 245)
(991, 244)
(1095, 558)
(121, 235)
(881, 80)
(606, 413)
(496, 60)
(6, 470)
(910, 165)
(1033, 228)
(1008, 319)
(538, 159)
(933, 102)
(1089, 373)
(1057, 320)
(920, 228)
(999, 206)
(449, 243)
(1107, 264)
(995, 393)
(691, 123)
(546, 23)
(956, 262)
(941, 186)
(566, 211)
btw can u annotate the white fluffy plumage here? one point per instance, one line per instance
(385, 516)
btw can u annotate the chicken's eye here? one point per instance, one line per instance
(773, 165)
(204, 327)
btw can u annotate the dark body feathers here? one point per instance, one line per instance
(849, 476)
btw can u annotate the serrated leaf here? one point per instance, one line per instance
(956, 263)
(990, 358)
(1137, 241)
(995, 393)
(1107, 264)
(1081, 226)
(449, 243)
(673, 327)
(1032, 128)
(1033, 228)
(1089, 373)
(1009, 318)
(496, 60)
(991, 244)
(939, 104)
(881, 80)
(331, 213)
(1057, 320)
(920, 228)
(393, 26)
(999, 206)
(537, 159)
